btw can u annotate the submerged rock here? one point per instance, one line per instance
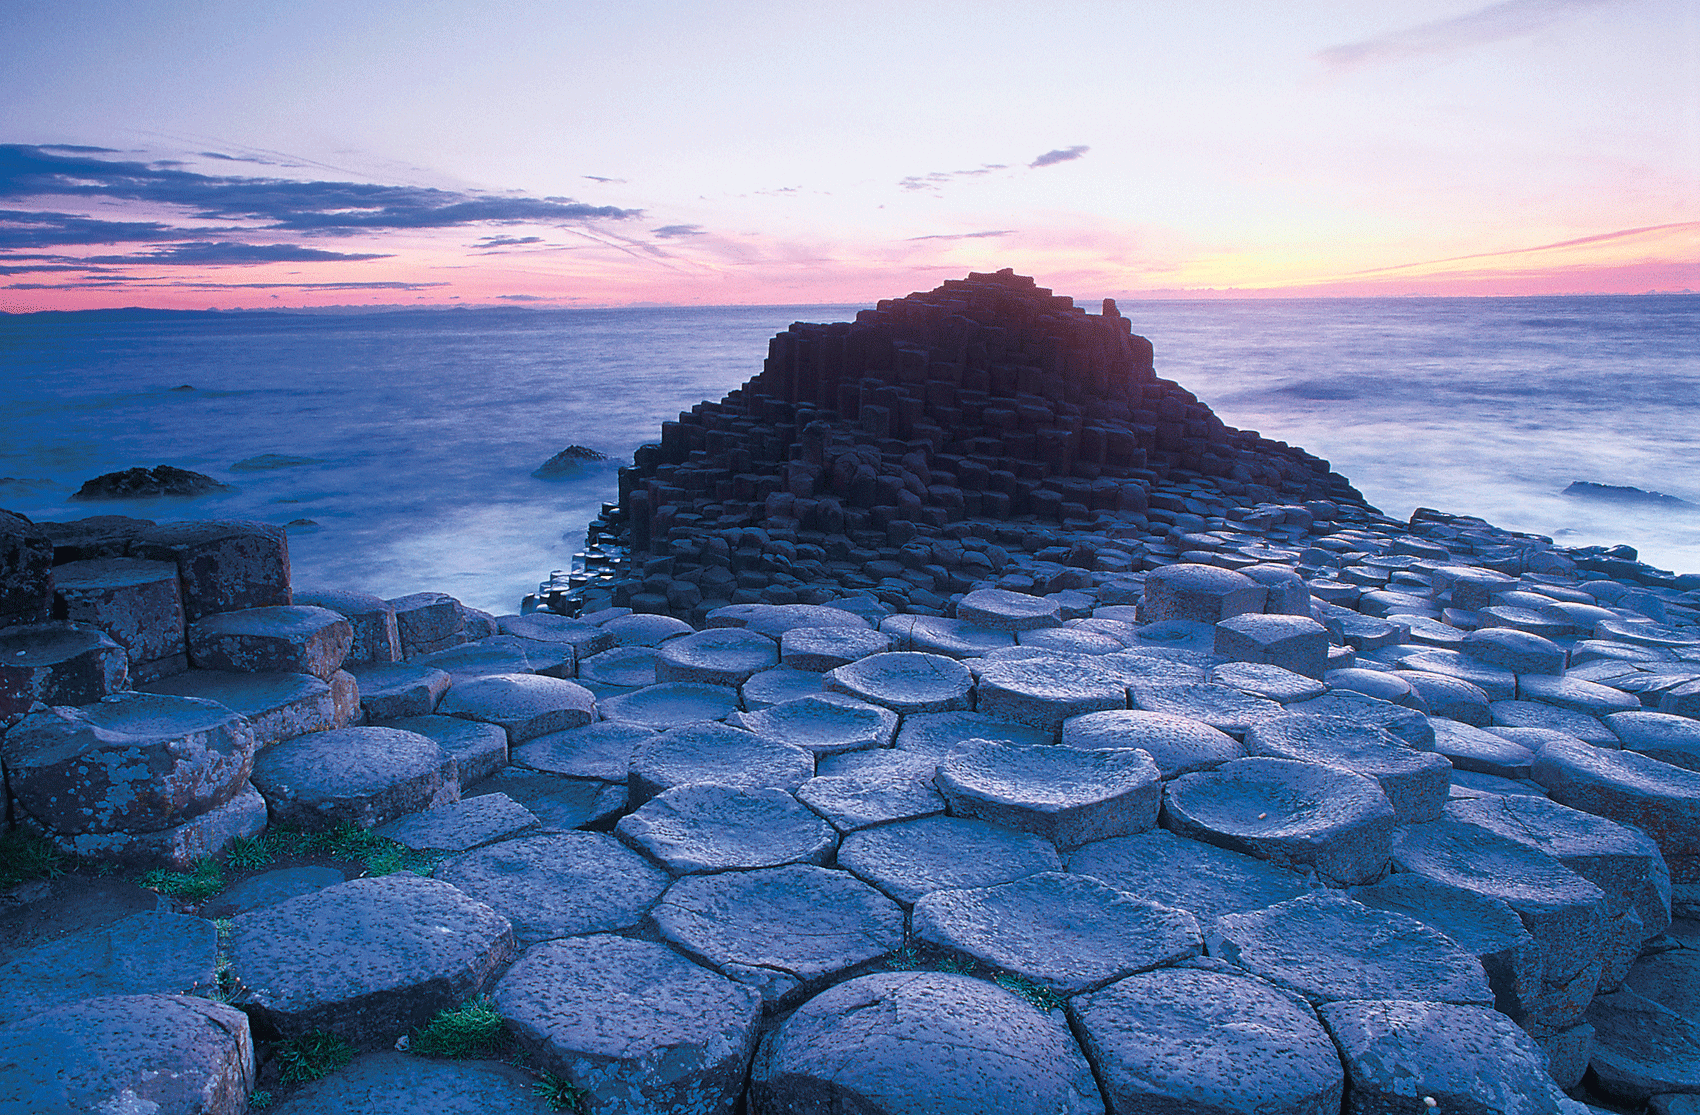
(146, 483)
(567, 463)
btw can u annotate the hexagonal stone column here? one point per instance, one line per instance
(1417, 783)
(1066, 795)
(1328, 947)
(394, 690)
(277, 706)
(639, 630)
(1659, 735)
(1069, 933)
(1297, 814)
(150, 953)
(479, 750)
(903, 1043)
(1199, 594)
(559, 884)
(1177, 744)
(427, 621)
(584, 639)
(906, 682)
(1517, 651)
(527, 705)
(368, 960)
(910, 859)
(716, 753)
(1207, 1037)
(827, 724)
(222, 564)
(637, 1026)
(1643, 1049)
(138, 603)
(1001, 610)
(1044, 692)
(783, 930)
(671, 704)
(724, 656)
(1189, 874)
(135, 762)
(292, 640)
(826, 648)
(1296, 643)
(703, 827)
(58, 664)
(365, 776)
(376, 636)
(1227, 710)
(1630, 788)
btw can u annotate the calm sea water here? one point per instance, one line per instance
(420, 429)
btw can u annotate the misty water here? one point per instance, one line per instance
(415, 433)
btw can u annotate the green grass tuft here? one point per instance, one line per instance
(206, 880)
(474, 1029)
(247, 854)
(905, 959)
(957, 965)
(1036, 993)
(311, 1056)
(25, 856)
(259, 1100)
(560, 1093)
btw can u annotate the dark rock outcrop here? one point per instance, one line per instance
(148, 483)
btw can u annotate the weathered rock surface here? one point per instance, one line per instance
(1201, 878)
(716, 753)
(910, 859)
(703, 827)
(1066, 795)
(57, 664)
(149, 953)
(559, 884)
(905, 682)
(365, 776)
(526, 705)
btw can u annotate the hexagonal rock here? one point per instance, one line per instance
(1296, 643)
(1551, 718)
(1465, 1058)
(1069, 933)
(376, 637)
(1067, 795)
(560, 804)
(1642, 1049)
(1380, 684)
(1499, 684)
(1671, 979)
(1472, 749)
(58, 664)
(783, 930)
(725, 656)
(393, 690)
(1199, 594)
(1630, 788)
(774, 620)
(1517, 651)
(1586, 697)
(461, 825)
(389, 1083)
(602, 750)
(1044, 692)
(134, 762)
(1206, 1037)
(500, 654)
(1262, 680)
(222, 565)
(136, 602)
(935, 733)
(1482, 925)
(705, 826)
(1644, 633)
(559, 884)
(1328, 947)
(1001, 610)
(130, 1053)
(1415, 782)
(293, 640)
(428, 621)
(671, 704)
(526, 705)
(716, 753)
(639, 630)
(144, 954)
(778, 685)
(179, 846)
(953, 638)
(859, 800)
(367, 960)
(1201, 878)
(26, 561)
(826, 724)
(1295, 814)
(904, 1043)
(1230, 711)
(277, 706)
(365, 776)
(826, 648)
(479, 750)
(1406, 723)
(635, 1025)
(618, 670)
(1659, 735)
(910, 859)
(1069, 640)
(540, 627)
(1156, 665)
(1449, 698)
(905, 682)
(1565, 913)
(1177, 744)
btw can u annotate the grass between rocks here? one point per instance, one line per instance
(477, 1029)
(346, 843)
(909, 959)
(309, 1057)
(25, 856)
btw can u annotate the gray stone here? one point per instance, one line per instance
(905, 682)
(1483, 752)
(1499, 684)
(935, 733)
(367, 960)
(1227, 710)
(137, 603)
(164, 1054)
(1199, 594)
(462, 825)
(387, 1083)
(479, 750)
(716, 753)
(1585, 697)
(1068, 640)
(363, 776)
(1641, 1048)
(143, 954)
(1157, 665)
(1177, 744)
(269, 888)
(1044, 692)
(671, 704)
(1658, 735)
(1295, 814)
(558, 884)
(1630, 788)
(428, 621)
(1383, 685)
(602, 750)
(783, 930)
(1328, 948)
(1260, 679)
(826, 648)
(26, 563)
(1000, 610)
(1205, 1038)
(825, 724)
(910, 859)
(639, 1028)
(499, 654)
(276, 706)
(637, 630)
(222, 565)
(1671, 979)
(860, 799)
(618, 670)
(1518, 651)
(704, 826)
(1415, 782)
(1406, 723)
(179, 846)
(953, 638)
(894, 1043)
(777, 686)
(585, 639)
(1068, 933)
(1067, 795)
(1449, 698)
(773, 620)
(526, 705)
(376, 637)
(1194, 876)
(721, 656)
(1296, 643)
(57, 664)
(1551, 718)
(560, 804)
(290, 640)
(1463, 1058)
(134, 762)
(392, 690)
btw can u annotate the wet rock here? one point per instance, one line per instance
(910, 859)
(559, 884)
(826, 724)
(905, 682)
(393, 690)
(716, 753)
(149, 483)
(222, 565)
(276, 706)
(525, 705)
(559, 804)
(271, 887)
(1200, 594)
(479, 750)
(783, 930)
(376, 636)
(568, 463)
(703, 827)
(1067, 795)
(461, 825)
(1177, 744)
(57, 664)
(367, 960)
(635, 1025)
(1295, 814)
(143, 954)
(671, 704)
(1415, 782)
(363, 776)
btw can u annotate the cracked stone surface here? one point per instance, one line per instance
(1066, 795)
(702, 827)
(910, 859)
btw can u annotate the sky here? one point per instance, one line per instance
(190, 155)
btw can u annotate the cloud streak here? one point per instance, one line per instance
(988, 234)
(1493, 23)
(1060, 155)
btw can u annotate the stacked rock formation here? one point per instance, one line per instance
(1230, 803)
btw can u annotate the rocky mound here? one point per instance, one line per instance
(146, 483)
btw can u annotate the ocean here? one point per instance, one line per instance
(401, 444)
